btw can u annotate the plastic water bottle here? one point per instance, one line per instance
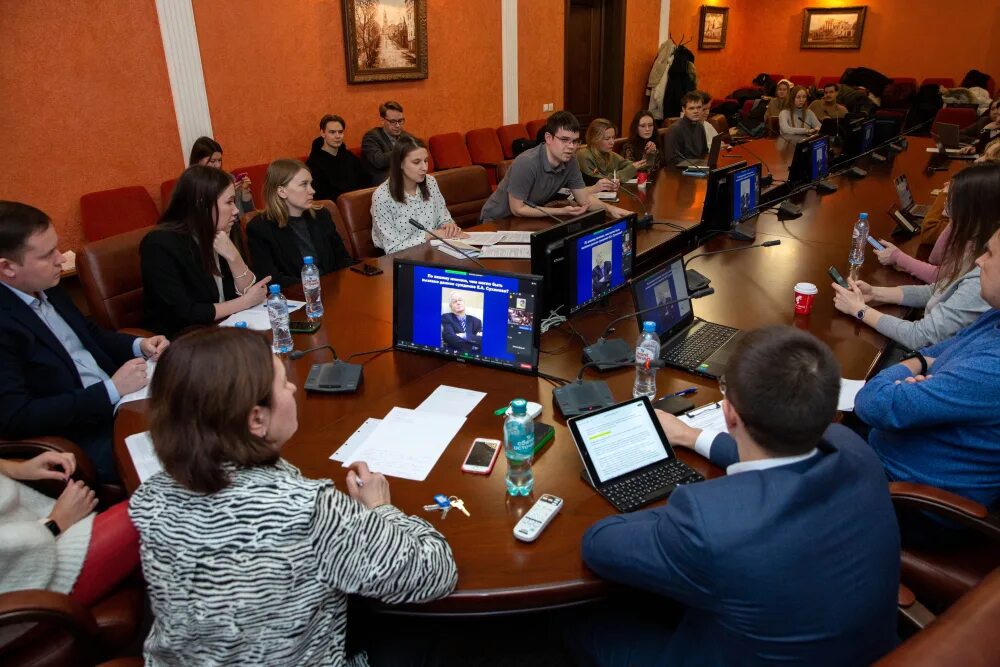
(647, 349)
(519, 446)
(277, 312)
(310, 285)
(859, 237)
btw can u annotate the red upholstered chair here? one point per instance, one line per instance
(533, 126)
(619, 145)
(746, 108)
(956, 116)
(718, 121)
(990, 86)
(356, 213)
(805, 80)
(823, 80)
(507, 134)
(667, 122)
(465, 191)
(112, 279)
(111, 212)
(485, 150)
(777, 77)
(166, 189)
(502, 169)
(256, 172)
(449, 151)
(945, 81)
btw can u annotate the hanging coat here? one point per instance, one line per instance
(657, 81)
(681, 79)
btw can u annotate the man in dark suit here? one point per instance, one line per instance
(600, 277)
(59, 373)
(791, 558)
(460, 331)
(378, 142)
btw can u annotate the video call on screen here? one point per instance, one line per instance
(818, 151)
(485, 317)
(603, 262)
(745, 190)
(659, 288)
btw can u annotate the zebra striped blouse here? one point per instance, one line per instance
(259, 573)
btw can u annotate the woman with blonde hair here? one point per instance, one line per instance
(777, 103)
(292, 227)
(796, 120)
(597, 159)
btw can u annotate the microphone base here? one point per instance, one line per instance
(579, 398)
(766, 180)
(745, 231)
(696, 281)
(788, 210)
(336, 377)
(856, 172)
(878, 157)
(644, 221)
(825, 187)
(608, 354)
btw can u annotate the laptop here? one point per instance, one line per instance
(947, 138)
(712, 161)
(905, 197)
(686, 342)
(626, 456)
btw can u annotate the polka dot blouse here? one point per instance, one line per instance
(391, 230)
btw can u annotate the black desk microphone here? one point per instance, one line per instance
(454, 247)
(336, 377)
(697, 281)
(579, 397)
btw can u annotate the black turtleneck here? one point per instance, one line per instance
(684, 141)
(334, 175)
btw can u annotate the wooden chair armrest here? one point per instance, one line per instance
(912, 611)
(946, 504)
(26, 448)
(35, 606)
(135, 331)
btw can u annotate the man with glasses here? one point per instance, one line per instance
(539, 173)
(376, 145)
(791, 557)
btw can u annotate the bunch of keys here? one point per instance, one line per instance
(444, 504)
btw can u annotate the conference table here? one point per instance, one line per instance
(497, 573)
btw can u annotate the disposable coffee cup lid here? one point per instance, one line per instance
(805, 288)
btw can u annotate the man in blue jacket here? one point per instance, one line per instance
(791, 558)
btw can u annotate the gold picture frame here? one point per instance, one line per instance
(385, 40)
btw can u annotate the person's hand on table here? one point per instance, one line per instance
(677, 432)
(967, 150)
(153, 347)
(130, 377)
(47, 465)
(850, 301)
(571, 210)
(617, 212)
(450, 230)
(885, 257)
(371, 489)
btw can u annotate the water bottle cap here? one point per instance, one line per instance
(863, 216)
(240, 325)
(274, 289)
(519, 406)
(308, 259)
(649, 327)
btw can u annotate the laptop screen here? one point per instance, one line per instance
(819, 154)
(664, 283)
(867, 136)
(745, 192)
(601, 261)
(903, 193)
(619, 440)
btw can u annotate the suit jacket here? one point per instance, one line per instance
(451, 328)
(40, 388)
(601, 276)
(795, 564)
(275, 252)
(176, 291)
(376, 149)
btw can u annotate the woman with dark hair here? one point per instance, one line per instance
(641, 146)
(292, 227)
(954, 300)
(985, 129)
(410, 193)
(207, 152)
(193, 272)
(247, 561)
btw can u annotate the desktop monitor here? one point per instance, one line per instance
(745, 193)
(548, 255)
(716, 212)
(860, 139)
(479, 316)
(600, 261)
(811, 161)
(664, 283)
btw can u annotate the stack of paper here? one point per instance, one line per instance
(848, 391)
(140, 448)
(256, 317)
(506, 251)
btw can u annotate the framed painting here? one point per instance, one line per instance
(385, 40)
(712, 27)
(835, 28)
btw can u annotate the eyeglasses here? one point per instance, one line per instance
(396, 122)
(568, 140)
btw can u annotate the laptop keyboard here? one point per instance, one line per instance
(699, 345)
(633, 492)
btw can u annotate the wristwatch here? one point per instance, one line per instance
(919, 357)
(53, 527)
(861, 313)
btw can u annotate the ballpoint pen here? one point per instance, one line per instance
(682, 392)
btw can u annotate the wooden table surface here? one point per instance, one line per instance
(498, 574)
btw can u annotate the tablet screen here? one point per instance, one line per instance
(620, 439)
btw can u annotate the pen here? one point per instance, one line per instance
(706, 408)
(682, 392)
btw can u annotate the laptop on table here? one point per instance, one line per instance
(626, 456)
(686, 342)
(905, 196)
(948, 141)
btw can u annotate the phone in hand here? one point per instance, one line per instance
(366, 269)
(482, 456)
(837, 278)
(875, 244)
(303, 326)
(238, 178)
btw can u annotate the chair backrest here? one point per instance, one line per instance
(805, 80)
(746, 108)
(773, 126)
(776, 78)
(719, 122)
(533, 126)
(956, 116)
(111, 275)
(356, 214)
(166, 189)
(502, 169)
(619, 145)
(449, 151)
(507, 134)
(465, 191)
(112, 212)
(484, 148)
(945, 81)
(905, 79)
(257, 173)
(667, 122)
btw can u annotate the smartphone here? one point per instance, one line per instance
(482, 456)
(303, 326)
(875, 244)
(837, 278)
(240, 176)
(366, 269)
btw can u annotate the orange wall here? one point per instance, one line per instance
(272, 69)
(897, 40)
(92, 114)
(541, 26)
(642, 28)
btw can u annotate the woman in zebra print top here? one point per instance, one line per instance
(248, 562)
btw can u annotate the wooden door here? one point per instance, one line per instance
(594, 60)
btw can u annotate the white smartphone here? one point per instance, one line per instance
(482, 456)
(875, 244)
(538, 517)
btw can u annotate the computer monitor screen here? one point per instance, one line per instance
(659, 286)
(867, 136)
(819, 154)
(745, 192)
(716, 211)
(601, 260)
(549, 256)
(485, 317)
(903, 192)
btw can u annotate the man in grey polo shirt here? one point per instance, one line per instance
(538, 174)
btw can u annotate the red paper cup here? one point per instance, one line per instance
(641, 177)
(805, 295)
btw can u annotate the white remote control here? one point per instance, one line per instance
(541, 513)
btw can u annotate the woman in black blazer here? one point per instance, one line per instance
(292, 227)
(192, 269)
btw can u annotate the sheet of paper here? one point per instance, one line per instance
(407, 443)
(706, 417)
(139, 394)
(357, 438)
(848, 390)
(607, 196)
(454, 401)
(144, 459)
(506, 251)
(483, 238)
(456, 254)
(256, 317)
(516, 237)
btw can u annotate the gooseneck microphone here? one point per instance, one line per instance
(454, 247)
(697, 281)
(765, 179)
(645, 219)
(607, 354)
(544, 212)
(336, 377)
(295, 355)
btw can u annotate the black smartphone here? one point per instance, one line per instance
(837, 278)
(303, 326)
(366, 269)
